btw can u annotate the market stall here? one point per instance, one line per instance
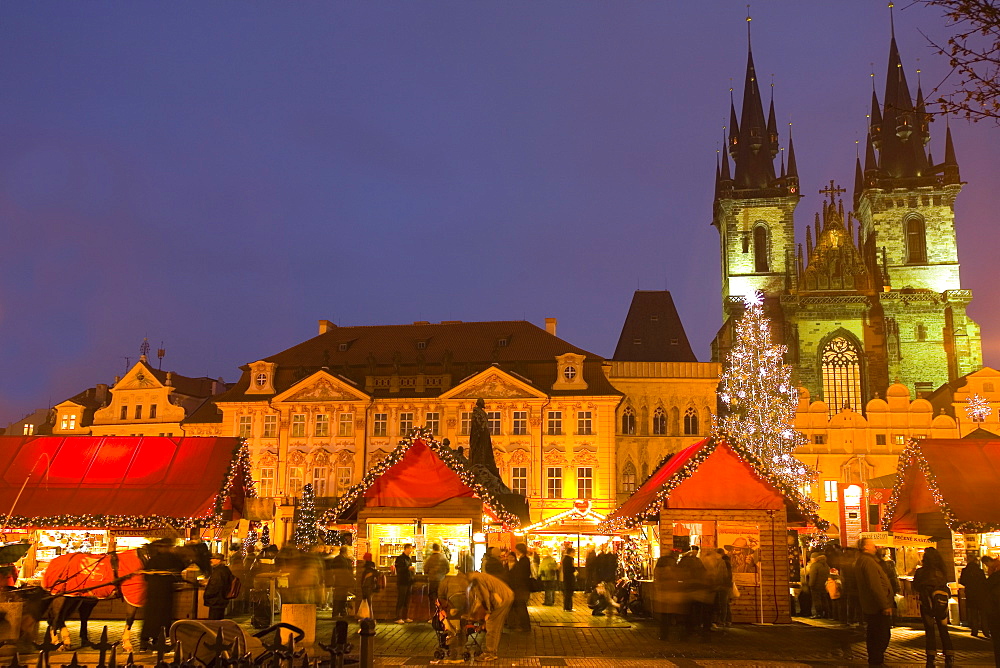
(579, 528)
(945, 496)
(421, 493)
(99, 494)
(712, 496)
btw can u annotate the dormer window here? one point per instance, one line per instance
(421, 345)
(502, 343)
(261, 379)
(569, 373)
(342, 347)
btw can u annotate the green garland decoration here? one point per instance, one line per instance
(451, 460)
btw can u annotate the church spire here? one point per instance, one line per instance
(951, 173)
(900, 141)
(754, 155)
(859, 181)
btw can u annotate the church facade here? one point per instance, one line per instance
(872, 297)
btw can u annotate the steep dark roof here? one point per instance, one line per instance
(460, 349)
(653, 331)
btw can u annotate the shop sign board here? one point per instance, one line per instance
(742, 543)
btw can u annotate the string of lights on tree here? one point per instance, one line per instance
(306, 531)
(239, 470)
(913, 456)
(758, 398)
(451, 460)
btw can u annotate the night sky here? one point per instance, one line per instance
(219, 176)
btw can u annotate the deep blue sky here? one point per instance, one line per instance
(218, 176)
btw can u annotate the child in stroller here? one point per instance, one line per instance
(458, 638)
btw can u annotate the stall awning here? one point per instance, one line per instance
(118, 481)
(958, 477)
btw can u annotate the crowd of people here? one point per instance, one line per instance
(692, 592)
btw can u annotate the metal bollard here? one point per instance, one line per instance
(367, 634)
(339, 643)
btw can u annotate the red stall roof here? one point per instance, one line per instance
(114, 479)
(708, 474)
(964, 478)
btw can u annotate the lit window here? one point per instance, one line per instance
(493, 422)
(266, 482)
(380, 425)
(553, 482)
(555, 423)
(270, 426)
(29, 430)
(916, 243)
(690, 422)
(584, 423)
(346, 425)
(319, 480)
(405, 424)
(841, 376)
(245, 426)
(659, 423)
(433, 423)
(72, 421)
(64, 422)
(899, 439)
(584, 482)
(520, 423)
(628, 477)
(830, 491)
(152, 411)
(628, 421)
(298, 426)
(295, 481)
(519, 480)
(343, 479)
(466, 423)
(322, 425)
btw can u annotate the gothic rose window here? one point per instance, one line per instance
(841, 376)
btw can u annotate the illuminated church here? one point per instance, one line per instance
(869, 298)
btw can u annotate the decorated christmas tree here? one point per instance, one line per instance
(758, 399)
(306, 528)
(265, 536)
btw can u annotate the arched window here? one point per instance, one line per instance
(628, 421)
(628, 477)
(916, 242)
(659, 422)
(841, 363)
(690, 422)
(760, 263)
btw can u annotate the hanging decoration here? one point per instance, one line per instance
(759, 400)
(452, 461)
(978, 408)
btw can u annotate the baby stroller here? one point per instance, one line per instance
(200, 640)
(445, 628)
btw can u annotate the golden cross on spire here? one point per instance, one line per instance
(832, 190)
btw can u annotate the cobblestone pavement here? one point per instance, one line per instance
(580, 640)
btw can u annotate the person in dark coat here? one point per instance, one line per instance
(931, 585)
(974, 581)
(875, 599)
(492, 565)
(163, 571)
(991, 603)
(342, 571)
(590, 570)
(404, 583)
(367, 576)
(520, 582)
(216, 595)
(568, 579)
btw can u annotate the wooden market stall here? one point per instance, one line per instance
(710, 495)
(423, 493)
(945, 495)
(98, 494)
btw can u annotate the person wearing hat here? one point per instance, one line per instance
(217, 589)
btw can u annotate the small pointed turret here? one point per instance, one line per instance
(859, 181)
(725, 177)
(951, 173)
(734, 128)
(772, 127)
(922, 118)
(809, 237)
(782, 177)
(871, 165)
(717, 175)
(875, 121)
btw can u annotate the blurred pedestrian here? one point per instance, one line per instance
(991, 603)
(435, 568)
(973, 579)
(817, 573)
(519, 580)
(548, 574)
(697, 589)
(568, 579)
(453, 599)
(491, 564)
(489, 599)
(220, 583)
(367, 576)
(723, 600)
(590, 570)
(876, 600)
(404, 583)
(931, 585)
(342, 570)
(162, 572)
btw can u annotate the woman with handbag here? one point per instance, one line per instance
(931, 585)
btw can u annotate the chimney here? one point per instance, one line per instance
(325, 326)
(550, 326)
(101, 393)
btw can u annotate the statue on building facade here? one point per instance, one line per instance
(480, 442)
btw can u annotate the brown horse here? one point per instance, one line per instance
(81, 580)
